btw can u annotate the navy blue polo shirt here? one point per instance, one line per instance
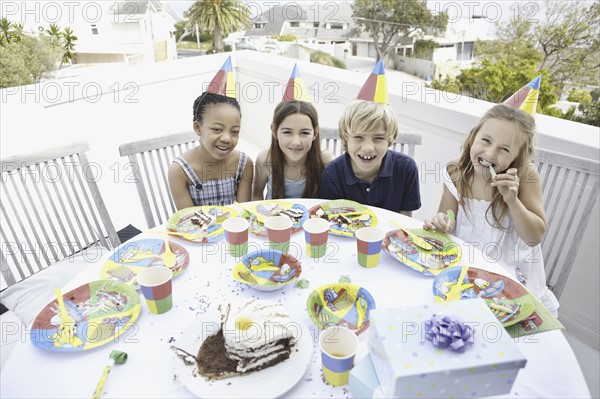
(396, 188)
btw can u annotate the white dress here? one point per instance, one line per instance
(523, 262)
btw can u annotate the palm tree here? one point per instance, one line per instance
(55, 34)
(220, 16)
(69, 40)
(5, 33)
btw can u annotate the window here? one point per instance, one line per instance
(315, 24)
(336, 25)
(294, 24)
(259, 25)
(94, 29)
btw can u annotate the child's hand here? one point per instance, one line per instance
(508, 185)
(440, 222)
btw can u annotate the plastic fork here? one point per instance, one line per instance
(415, 238)
(168, 257)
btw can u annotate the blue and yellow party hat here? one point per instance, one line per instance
(295, 89)
(223, 83)
(526, 98)
(375, 88)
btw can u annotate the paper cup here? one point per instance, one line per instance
(338, 347)
(368, 244)
(156, 286)
(236, 235)
(316, 232)
(279, 231)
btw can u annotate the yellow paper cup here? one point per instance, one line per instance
(338, 346)
(368, 245)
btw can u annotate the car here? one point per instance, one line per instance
(245, 43)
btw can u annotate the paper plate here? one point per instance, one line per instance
(335, 211)
(132, 257)
(507, 299)
(445, 252)
(102, 311)
(181, 221)
(270, 382)
(341, 304)
(258, 211)
(267, 270)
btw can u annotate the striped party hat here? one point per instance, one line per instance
(223, 83)
(526, 98)
(375, 88)
(295, 89)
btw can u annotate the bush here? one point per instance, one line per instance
(321, 57)
(579, 96)
(284, 38)
(26, 61)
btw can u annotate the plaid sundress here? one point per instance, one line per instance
(213, 192)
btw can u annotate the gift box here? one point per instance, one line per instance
(363, 381)
(408, 364)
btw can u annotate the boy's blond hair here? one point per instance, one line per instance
(364, 116)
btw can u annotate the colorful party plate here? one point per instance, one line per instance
(400, 246)
(181, 221)
(341, 304)
(345, 216)
(101, 310)
(133, 257)
(267, 270)
(258, 212)
(507, 299)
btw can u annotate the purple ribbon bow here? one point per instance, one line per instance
(448, 332)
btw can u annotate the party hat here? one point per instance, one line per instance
(527, 97)
(223, 83)
(295, 89)
(375, 88)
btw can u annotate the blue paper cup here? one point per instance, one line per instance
(338, 346)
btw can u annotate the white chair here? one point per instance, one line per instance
(51, 209)
(570, 191)
(405, 142)
(150, 160)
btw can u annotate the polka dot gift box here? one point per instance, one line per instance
(442, 350)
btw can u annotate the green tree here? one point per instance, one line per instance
(220, 16)
(26, 60)
(579, 96)
(55, 34)
(590, 113)
(495, 82)
(390, 22)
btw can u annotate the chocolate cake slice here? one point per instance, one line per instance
(255, 334)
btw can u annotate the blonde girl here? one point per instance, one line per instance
(495, 192)
(292, 166)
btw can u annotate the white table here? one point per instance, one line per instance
(552, 369)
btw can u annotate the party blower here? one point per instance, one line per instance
(116, 357)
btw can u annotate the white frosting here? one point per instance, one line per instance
(253, 331)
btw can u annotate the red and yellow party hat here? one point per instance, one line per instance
(295, 89)
(526, 98)
(375, 88)
(223, 83)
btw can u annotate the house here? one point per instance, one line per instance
(454, 50)
(325, 26)
(129, 32)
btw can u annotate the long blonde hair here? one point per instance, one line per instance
(463, 171)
